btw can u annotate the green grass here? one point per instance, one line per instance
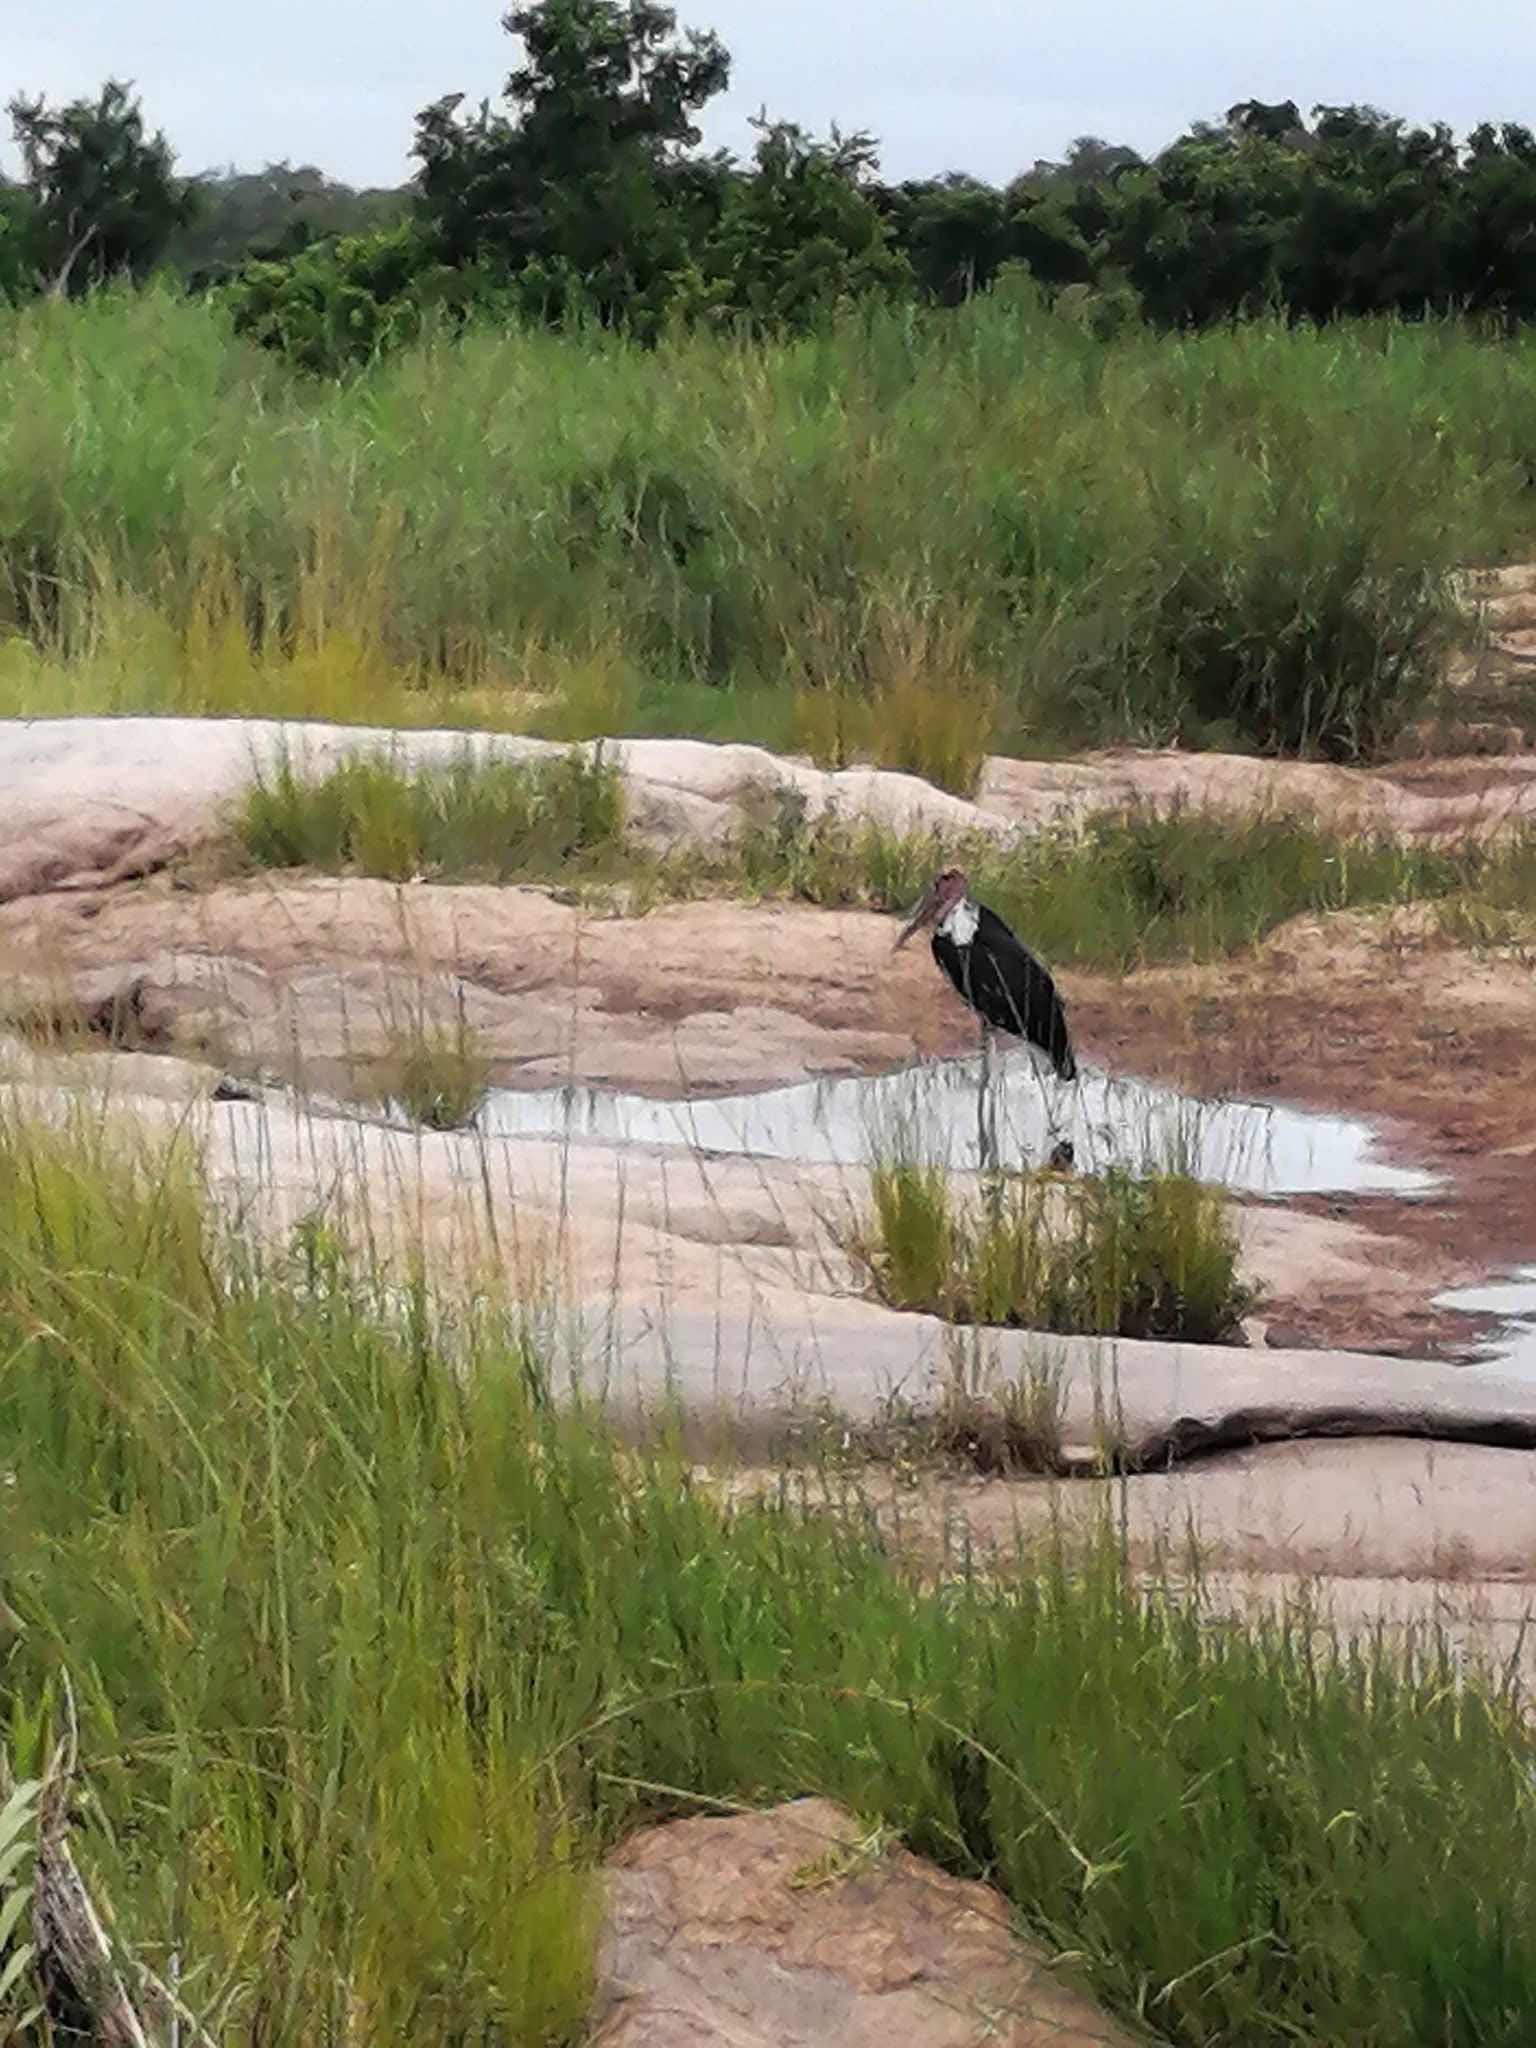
(1120, 890)
(374, 1653)
(1137, 888)
(1115, 1254)
(435, 1069)
(908, 537)
(471, 820)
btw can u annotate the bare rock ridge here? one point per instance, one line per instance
(1143, 1403)
(788, 1929)
(86, 799)
(312, 974)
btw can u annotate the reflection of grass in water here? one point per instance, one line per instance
(1114, 1254)
(435, 1070)
(927, 1114)
(375, 1652)
(900, 1121)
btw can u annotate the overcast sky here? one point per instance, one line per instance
(978, 85)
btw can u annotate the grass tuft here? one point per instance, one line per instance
(473, 820)
(1120, 890)
(435, 1070)
(1112, 1254)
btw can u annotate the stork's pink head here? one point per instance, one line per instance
(939, 899)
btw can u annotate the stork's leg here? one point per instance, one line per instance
(986, 1122)
(1059, 1097)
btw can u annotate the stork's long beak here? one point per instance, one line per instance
(919, 917)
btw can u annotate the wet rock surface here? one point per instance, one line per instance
(659, 1229)
(1374, 1510)
(795, 1929)
(1382, 1014)
(322, 980)
(724, 1282)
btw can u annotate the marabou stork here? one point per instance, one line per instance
(997, 975)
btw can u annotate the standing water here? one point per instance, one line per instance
(928, 1114)
(1513, 1344)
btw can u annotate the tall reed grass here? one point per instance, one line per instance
(374, 1652)
(910, 537)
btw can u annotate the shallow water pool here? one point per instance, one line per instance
(1512, 1347)
(928, 1113)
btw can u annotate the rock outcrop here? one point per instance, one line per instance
(793, 1929)
(85, 800)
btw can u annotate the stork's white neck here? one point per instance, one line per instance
(959, 923)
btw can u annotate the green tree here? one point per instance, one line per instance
(1499, 221)
(957, 234)
(336, 303)
(587, 181)
(17, 241)
(1043, 232)
(1377, 220)
(1201, 233)
(105, 197)
(953, 231)
(800, 234)
(1090, 161)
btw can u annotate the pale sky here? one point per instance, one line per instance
(977, 85)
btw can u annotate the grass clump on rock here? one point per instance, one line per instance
(435, 1069)
(472, 819)
(1120, 888)
(1115, 1254)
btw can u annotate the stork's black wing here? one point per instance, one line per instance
(1004, 983)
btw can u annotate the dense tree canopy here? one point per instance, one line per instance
(797, 234)
(104, 200)
(585, 181)
(584, 192)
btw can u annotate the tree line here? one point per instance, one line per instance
(585, 193)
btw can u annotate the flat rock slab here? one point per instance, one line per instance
(721, 1295)
(787, 1930)
(313, 974)
(1442, 1534)
(657, 1228)
(84, 798)
(1149, 1402)
(720, 1281)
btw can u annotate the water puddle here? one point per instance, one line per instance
(928, 1113)
(1512, 1347)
